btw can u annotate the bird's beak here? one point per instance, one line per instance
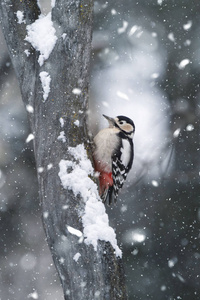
(111, 121)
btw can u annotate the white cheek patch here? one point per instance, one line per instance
(127, 127)
(125, 151)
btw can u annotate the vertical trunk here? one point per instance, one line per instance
(96, 273)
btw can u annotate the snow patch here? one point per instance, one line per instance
(77, 123)
(41, 35)
(45, 80)
(76, 91)
(75, 176)
(49, 166)
(64, 35)
(77, 256)
(29, 108)
(20, 17)
(62, 122)
(40, 169)
(74, 231)
(62, 137)
(30, 138)
(27, 52)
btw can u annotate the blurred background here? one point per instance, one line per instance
(145, 65)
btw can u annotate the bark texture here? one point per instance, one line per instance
(97, 274)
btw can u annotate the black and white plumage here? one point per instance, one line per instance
(113, 155)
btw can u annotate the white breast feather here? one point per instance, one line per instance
(105, 142)
(125, 151)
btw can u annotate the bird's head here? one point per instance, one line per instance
(123, 123)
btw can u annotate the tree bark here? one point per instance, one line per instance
(97, 274)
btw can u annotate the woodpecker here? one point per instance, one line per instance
(113, 155)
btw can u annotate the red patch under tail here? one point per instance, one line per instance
(105, 178)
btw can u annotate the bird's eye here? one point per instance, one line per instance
(121, 122)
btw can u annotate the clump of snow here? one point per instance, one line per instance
(183, 63)
(76, 91)
(29, 108)
(64, 35)
(75, 176)
(62, 137)
(74, 231)
(77, 123)
(62, 260)
(30, 138)
(45, 80)
(20, 17)
(41, 35)
(123, 28)
(159, 2)
(62, 122)
(27, 52)
(188, 25)
(49, 166)
(65, 207)
(77, 256)
(40, 169)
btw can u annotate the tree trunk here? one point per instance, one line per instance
(97, 274)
